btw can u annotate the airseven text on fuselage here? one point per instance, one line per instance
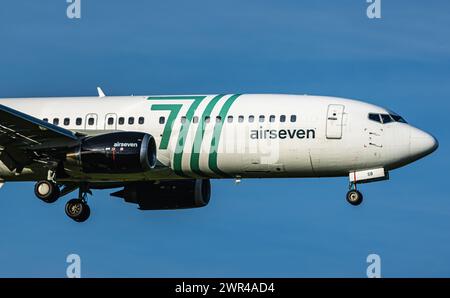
(257, 134)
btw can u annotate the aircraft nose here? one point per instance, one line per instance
(421, 143)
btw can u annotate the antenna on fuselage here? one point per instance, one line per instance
(100, 92)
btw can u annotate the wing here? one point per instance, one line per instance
(25, 139)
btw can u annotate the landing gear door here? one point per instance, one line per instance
(334, 121)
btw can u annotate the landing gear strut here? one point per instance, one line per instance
(354, 197)
(78, 209)
(47, 190)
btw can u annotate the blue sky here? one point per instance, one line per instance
(282, 228)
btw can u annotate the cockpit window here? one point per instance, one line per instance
(386, 118)
(375, 117)
(398, 118)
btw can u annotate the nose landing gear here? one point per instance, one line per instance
(354, 197)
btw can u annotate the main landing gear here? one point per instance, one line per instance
(78, 209)
(354, 197)
(46, 190)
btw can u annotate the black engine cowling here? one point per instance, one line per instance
(117, 152)
(173, 194)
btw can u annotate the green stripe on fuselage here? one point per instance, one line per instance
(196, 147)
(212, 161)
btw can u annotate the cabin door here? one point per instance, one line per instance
(335, 117)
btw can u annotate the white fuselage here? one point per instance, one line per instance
(250, 135)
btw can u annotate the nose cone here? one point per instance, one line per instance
(421, 143)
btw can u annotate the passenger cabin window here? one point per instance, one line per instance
(375, 117)
(110, 121)
(251, 118)
(293, 118)
(230, 119)
(241, 119)
(66, 121)
(91, 121)
(45, 119)
(131, 120)
(195, 119)
(141, 120)
(272, 118)
(207, 118)
(262, 118)
(218, 119)
(283, 118)
(121, 120)
(183, 119)
(78, 121)
(162, 120)
(56, 121)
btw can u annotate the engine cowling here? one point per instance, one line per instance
(173, 194)
(117, 152)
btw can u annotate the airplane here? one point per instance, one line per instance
(162, 150)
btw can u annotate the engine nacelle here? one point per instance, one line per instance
(117, 152)
(173, 194)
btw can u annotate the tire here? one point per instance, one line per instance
(77, 210)
(86, 213)
(47, 191)
(354, 197)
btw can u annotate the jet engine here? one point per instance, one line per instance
(171, 194)
(116, 153)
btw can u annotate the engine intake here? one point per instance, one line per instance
(173, 194)
(117, 152)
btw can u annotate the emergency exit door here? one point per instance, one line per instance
(111, 121)
(90, 122)
(335, 117)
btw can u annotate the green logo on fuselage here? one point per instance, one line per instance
(174, 110)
